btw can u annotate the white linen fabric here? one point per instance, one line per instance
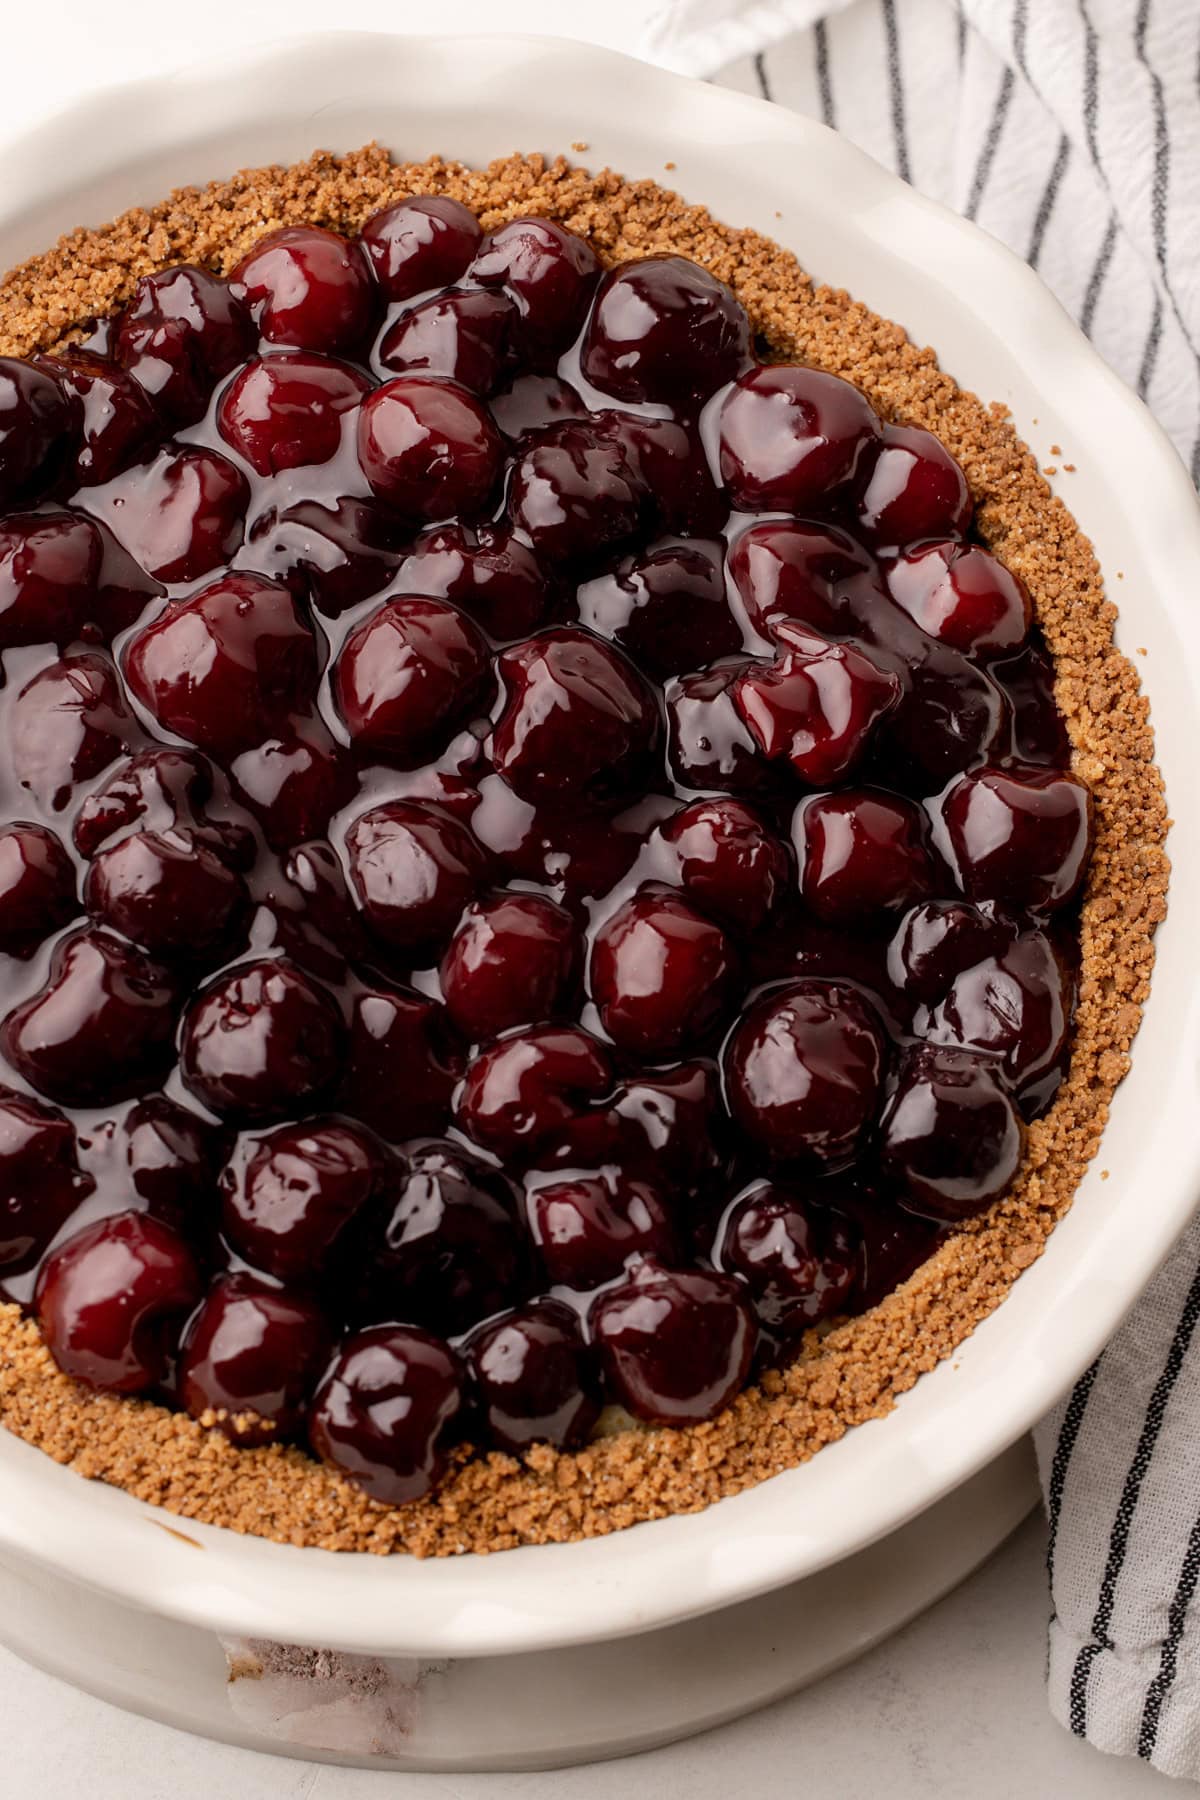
(1071, 129)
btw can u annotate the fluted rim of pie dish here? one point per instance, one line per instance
(996, 329)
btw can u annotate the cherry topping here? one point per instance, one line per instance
(709, 743)
(529, 1084)
(385, 1410)
(817, 704)
(727, 861)
(66, 726)
(511, 962)
(36, 420)
(172, 897)
(295, 782)
(1016, 1006)
(251, 1359)
(487, 572)
(671, 1122)
(283, 411)
(39, 1177)
(308, 288)
(163, 790)
(111, 1299)
(532, 402)
(37, 887)
(802, 1263)
(101, 1027)
(803, 1071)
(532, 1379)
(578, 717)
(936, 941)
(333, 553)
(182, 331)
(951, 1135)
(962, 596)
(676, 1344)
(402, 1068)
(665, 607)
(220, 668)
(915, 490)
(815, 574)
(414, 869)
(286, 1204)
(261, 1041)
(180, 516)
(577, 496)
(588, 1226)
(461, 337)
(418, 244)
(173, 1157)
(1022, 838)
(862, 851)
(49, 570)
(550, 273)
(428, 448)
(408, 676)
(793, 439)
(660, 973)
(663, 329)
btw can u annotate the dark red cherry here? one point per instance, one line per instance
(443, 1247)
(578, 851)
(801, 1262)
(586, 1227)
(219, 669)
(402, 1066)
(285, 411)
(251, 1359)
(672, 1123)
(534, 402)
(462, 336)
(414, 869)
(39, 1177)
(803, 1071)
(727, 861)
(529, 1084)
(160, 790)
(578, 718)
(816, 705)
(1020, 838)
(862, 851)
(180, 333)
(532, 1378)
(124, 589)
(814, 574)
(669, 460)
(66, 726)
(950, 717)
(550, 273)
(307, 288)
(914, 490)
(173, 1157)
(49, 576)
(663, 329)
(428, 448)
(36, 426)
(37, 887)
(793, 439)
(1015, 1006)
(260, 1042)
(333, 553)
(117, 423)
(1039, 733)
(512, 961)
(288, 1196)
(488, 572)
(676, 1344)
(963, 596)
(709, 744)
(179, 516)
(894, 1242)
(111, 1300)
(951, 1135)
(294, 782)
(576, 496)
(315, 915)
(660, 973)
(418, 244)
(172, 897)
(936, 941)
(408, 677)
(385, 1412)
(665, 607)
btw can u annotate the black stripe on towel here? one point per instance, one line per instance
(1096, 279)
(1091, 84)
(1118, 1541)
(1150, 352)
(1046, 203)
(1156, 1693)
(891, 28)
(824, 79)
(987, 154)
(1068, 1433)
(760, 69)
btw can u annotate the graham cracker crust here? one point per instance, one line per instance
(856, 1370)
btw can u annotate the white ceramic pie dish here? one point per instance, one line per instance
(997, 330)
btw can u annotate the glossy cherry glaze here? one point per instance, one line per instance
(538, 859)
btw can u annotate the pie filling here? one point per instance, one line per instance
(540, 862)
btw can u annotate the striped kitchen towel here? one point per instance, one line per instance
(1071, 129)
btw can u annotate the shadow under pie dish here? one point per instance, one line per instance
(794, 884)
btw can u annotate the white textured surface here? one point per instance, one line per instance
(954, 1705)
